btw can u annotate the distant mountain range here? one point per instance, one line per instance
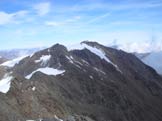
(14, 53)
(90, 82)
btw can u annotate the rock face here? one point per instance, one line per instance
(95, 83)
(152, 59)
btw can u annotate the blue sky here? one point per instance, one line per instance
(33, 23)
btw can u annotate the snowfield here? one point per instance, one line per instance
(5, 83)
(96, 51)
(44, 59)
(47, 71)
(13, 62)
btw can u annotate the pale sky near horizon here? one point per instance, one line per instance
(136, 25)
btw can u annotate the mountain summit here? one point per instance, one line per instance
(89, 83)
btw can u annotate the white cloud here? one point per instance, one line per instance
(99, 18)
(26, 32)
(143, 47)
(19, 14)
(75, 18)
(42, 8)
(116, 23)
(53, 23)
(7, 18)
(108, 6)
(136, 47)
(130, 41)
(68, 21)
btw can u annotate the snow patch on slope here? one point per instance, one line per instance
(99, 70)
(5, 83)
(33, 88)
(47, 71)
(13, 62)
(94, 50)
(58, 119)
(102, 55)
(73, 61)
(44, 59)
(97, 51)
(70, 59)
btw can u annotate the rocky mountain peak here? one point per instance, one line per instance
(91, 83)
(58, 47)
(91, 43)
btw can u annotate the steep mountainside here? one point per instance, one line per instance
(152, 59)
(89, 83)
